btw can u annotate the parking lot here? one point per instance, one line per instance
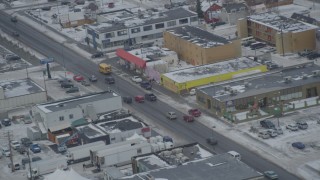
(10, 61)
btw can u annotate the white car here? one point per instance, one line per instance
(292, 127)
(171, 115)
(15, 145)
(136, 79)
(192, 92)
(5, 151)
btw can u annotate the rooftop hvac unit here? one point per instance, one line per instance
(316, 73)
(233, 91)
(287, 79)
(227, 88)
(246, 84)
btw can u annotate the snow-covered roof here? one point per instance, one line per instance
(65, 175)
(200, 72)
(263, 83)
(149, 54)
(120, 125)
(90, 131)
(71, 16)
(20, 87)
(279, 22)
(198, 36)
(74, 102)
(130, 20)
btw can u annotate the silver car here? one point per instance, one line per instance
(272, 133)
(171, 115)
(292, 127)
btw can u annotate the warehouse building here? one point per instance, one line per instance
(182, 81)
(258, 96)
(287, 35)
(22, 92)
(200, 47)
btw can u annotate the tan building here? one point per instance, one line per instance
(200, 47)
(287, 35)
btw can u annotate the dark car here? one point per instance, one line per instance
(272, 66)
(25, 141)
(36, 158)
(11, 57)
(64, 80)
(21, 150)
(304, 53)
(298, 145)
(248, 43)
(97, 55)
(127, 99)
(93, 78)
(6, 122)
(212, 141)
(14, 19)
(109, 80)
(46, 8)
(167, 139)
(65, 2)
(313, 55)
(146, 85)
(150, 97)
(267, 124)
(66, 85)
(72, 90)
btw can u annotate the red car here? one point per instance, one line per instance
(188, 118)
(139, 99)
(78, 78)
(194, 112)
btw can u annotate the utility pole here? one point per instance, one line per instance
(11, 158)
(30, 169)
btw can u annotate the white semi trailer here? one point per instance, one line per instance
(82, 153)
(43, 167)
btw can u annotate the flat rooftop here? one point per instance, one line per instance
(263, 83)
(120, 125)
(123, 22)
(198, 36)
(277, 22)
(218, 167)
(151, 54)
(91, 131)
(200, 72)
(75, 101)
(20, 87)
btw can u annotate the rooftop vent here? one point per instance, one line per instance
(304, 76)
(233, 91)
(227, 88)
(316, 73)
(287, 79)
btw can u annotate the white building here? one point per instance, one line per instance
(61, 114)
(17, 93)
(127, 29)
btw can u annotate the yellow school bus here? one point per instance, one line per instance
(104, 68)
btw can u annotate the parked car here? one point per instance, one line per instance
(302, 124)
(35, 148)
(292, 127)
(278, 130)
(171, 115)
(212, 141)
(267, 124)
(248, 43)
(167, 139)
(93, 78)
(146, 85)
(16, 166)
(15, 34)
(11, 57)
(194, 112)
(5, 151)
(21, 150)
(72, 90)
(127, 99)
(139, 99)
(136, 79)
(257, 45)
(97, 55)
(85, 83)
(6, 122)
(64, 80)
(270, 175)
(313, 55)
(192, 92)
(188, 118)
(66, 85)
(78, 78)
(298, 145)
(264, 135)
(272, 133)
(272, 66)
(150, 97)
(15, 144)
(25, 141)
(36, 158)
(46, 8)
(109, 80)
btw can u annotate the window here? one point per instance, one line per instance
(183, 21)
(147, 28)
(112, 139)
(135, 30)
(233, 11)
(70, 116)
(61, 118)
(122, 33)
(139, 151)
(194, 19)
(159, 26)
(242, 9)
(109, 35)
(171, 23)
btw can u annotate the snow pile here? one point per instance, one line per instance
(65, 175)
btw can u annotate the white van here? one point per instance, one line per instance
(235, 155)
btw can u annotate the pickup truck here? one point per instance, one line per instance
(150, 97)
